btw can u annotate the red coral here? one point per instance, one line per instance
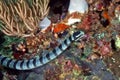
(18, 55)
(105, 48)
(19, 50)
(68, 66)
(85, 25)
(99, 6)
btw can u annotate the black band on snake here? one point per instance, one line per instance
(40, 61)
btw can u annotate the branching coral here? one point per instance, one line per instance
(20, 19)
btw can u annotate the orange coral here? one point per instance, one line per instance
(106, 15)
(60, 27)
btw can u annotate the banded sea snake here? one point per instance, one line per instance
(40, 61)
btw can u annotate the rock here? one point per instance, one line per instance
(1, 76)
(34, 76)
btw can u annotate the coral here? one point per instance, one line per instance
(60, 27)
(63, 69)
(20, 19)
(80, 6)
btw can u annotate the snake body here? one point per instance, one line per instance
(40, 61)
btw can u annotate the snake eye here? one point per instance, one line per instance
(78, 34)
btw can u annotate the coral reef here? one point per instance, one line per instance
(95, 57)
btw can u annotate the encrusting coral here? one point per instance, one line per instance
(21, 20)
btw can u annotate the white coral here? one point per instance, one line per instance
(78, 6)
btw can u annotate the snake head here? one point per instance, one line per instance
(78, 34)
